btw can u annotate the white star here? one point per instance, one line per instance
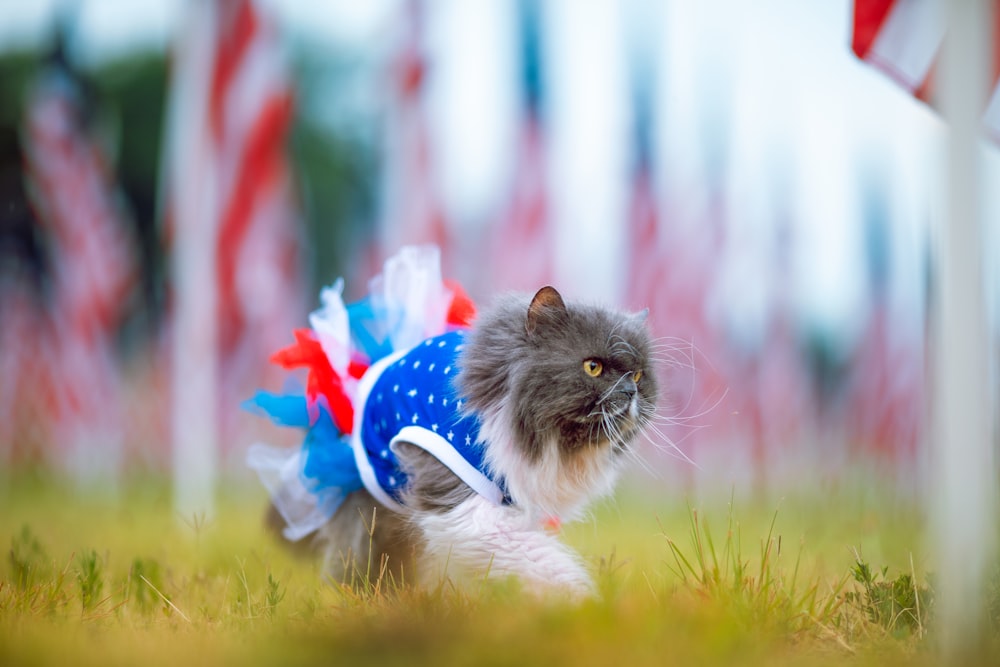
(412, 393)
(398, 417)
(447, 370)
(459, 348)
(459, 404)
(468, 440)
(430, 399)
(416, 364)
(428, 342)
(380, 397)
(442, 344)
(444, 401)
(431, 367)
(384, 453)
(392, 481)
(415, 418)
(395, 388)
(434, 427)
(451, 435)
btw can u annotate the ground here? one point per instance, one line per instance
(113, 576)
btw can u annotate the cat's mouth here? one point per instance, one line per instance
(621, 415)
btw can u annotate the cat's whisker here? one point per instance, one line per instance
(690, 429)
(614, 333)
(636, 456)
(701, 411)
(688, 399)
(597, 425)
(687, 348)
(671, 446)
(622, 346)
(672, 358)
(707, 409)
(611, 390)
(671, 350)
(610, 427)
(685, 421)
(607, 425)
(674, 422)
(673, 342)
(670, 363)
(674, 339)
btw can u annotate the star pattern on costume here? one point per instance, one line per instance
(418, 392)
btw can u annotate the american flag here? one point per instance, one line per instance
(93, 271)
(903, 38)
(414, 214)
(523, 244)
(258, 253)
(244, 111)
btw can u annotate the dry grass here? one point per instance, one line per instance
(116, 578)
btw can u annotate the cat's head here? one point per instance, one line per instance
(569, 386)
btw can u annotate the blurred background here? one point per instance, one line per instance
(734, 167)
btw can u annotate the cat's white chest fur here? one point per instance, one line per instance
(549, 487)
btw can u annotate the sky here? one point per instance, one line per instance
(110, 27)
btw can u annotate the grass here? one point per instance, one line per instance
(117, 578)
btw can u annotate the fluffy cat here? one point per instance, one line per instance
(558, 393)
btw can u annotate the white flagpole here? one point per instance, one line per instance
(193, 204)
(963, 502)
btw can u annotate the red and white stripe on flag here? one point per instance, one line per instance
(414, 213)
(238, 277)
(72, 191)
(93, 269)
(903, 38)
(258, 249)
(250, 111)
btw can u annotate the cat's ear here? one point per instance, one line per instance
(546, 305)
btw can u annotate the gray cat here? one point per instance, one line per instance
(515, 427)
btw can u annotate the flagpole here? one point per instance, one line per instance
(963, 500)
(192, 203)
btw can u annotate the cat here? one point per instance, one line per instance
(516, 426)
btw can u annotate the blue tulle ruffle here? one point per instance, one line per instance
(328, 467)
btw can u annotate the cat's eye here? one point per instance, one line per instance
(593, 367)
(636, 376)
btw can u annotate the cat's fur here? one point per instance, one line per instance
(553, 433)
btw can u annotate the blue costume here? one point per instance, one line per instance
(407, 394)
(412, 398)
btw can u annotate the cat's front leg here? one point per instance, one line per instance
(479, 538)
